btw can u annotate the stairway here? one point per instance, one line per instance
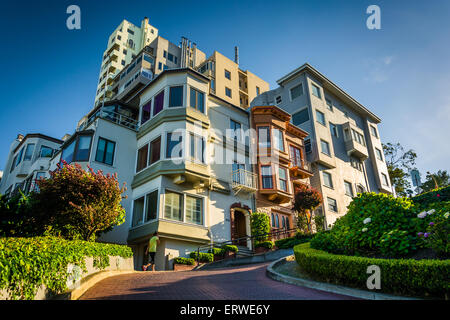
(244, 252)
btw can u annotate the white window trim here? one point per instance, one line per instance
(145, 206)
(184, 194)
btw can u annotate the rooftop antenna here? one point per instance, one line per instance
(236, 54)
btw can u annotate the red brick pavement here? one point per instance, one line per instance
(246, 282)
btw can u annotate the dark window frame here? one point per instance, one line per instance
(107, 141)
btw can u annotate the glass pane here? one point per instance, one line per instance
(67, 154)
(46, 152)
(159, 103)
(174, 145)
(146, 112)
(84, 143)
(29, 152)
(193, 99)
(142, 158)
(138, 210)
(300, 117)
(155, 149)
(194, 210)
(110, 146)
(152, 206)
(176, 96)
(200, 102)
(173, 206)
(101, 148)
(264, 137)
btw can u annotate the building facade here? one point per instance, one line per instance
(281, 164)
(343, 145)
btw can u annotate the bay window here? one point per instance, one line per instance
(174, 145)
(282, 179)
(278, 139)
(266, 177)
(78, 149)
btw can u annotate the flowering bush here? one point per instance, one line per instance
(397, 243)
(436, 235)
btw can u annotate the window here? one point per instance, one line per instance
(266, 177)
(152, 206)
(130, 31)
(284, 222)
(165, 54)
(176, 96)
(119, 37)
(358, 137)
(296, 91)
(278, 100)
(173, 206)
(334, 130)
(142, 158)
(46, 152)
(194, 210)
(19, 157)
(138, 211)
(282, 179)
(123, 63)
(105, 151)
(236, 130)
(170, 57)
(278, 139)
(373, 130)
(197, 100)
(320, 117)
(197, 148)
(277, 221)
(227, 74)
(159, 103)
(155, 150)
(359, 189)
(332, 205)
(273, 220)
(29, 152)
(39, 176)
(327, 181)
(385, 179)
(315, 90)
(257, 91)
(356, 163)
(146, 112)
(325, 146)
(329, 104)
(77, 150)
(378, 154)
(263, 137)
(296, 158)
(348, 188)
(308, 148)
(159, 65)
(124, 51)
(148, 59)
(300, 117)
(287, 223)
(228, 92)
(174, 145)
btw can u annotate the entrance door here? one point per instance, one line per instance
(241, 230)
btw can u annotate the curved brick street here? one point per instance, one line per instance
(245, 282)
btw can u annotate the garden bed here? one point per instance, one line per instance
(407, 277)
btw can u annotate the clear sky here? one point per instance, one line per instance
(401, 72)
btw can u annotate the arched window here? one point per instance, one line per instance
(273, 221)
(287, 224)
(278, 222)
(130, 43)
(283, 222)
(359, 189)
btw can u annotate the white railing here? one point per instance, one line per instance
(111, 116)
(243, 179)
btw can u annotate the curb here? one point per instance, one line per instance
(89, 282)
(323, 286)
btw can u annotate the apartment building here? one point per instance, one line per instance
(343, 145)
(123, 45)
(28, 160)
(229, 82)
(281, 164)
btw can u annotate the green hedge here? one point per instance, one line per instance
(203, 256)
(27, 263)
(292, 241)
(265, 244)
(398, 276)
(217, 251)
(230, 247)
(181, 260)
(437, 195)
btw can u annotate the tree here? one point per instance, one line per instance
(260, 224)
(306, 199)
(399, 163)
(436, 180)
(76, 203)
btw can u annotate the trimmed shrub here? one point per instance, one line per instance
(260, 224)
(398, 276)
(293, 241)
(203, 256)
(217, 251)
(187, 261)
(230, 247)
(27, 263)
(264, 244)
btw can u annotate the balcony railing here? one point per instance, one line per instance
(111, 116)
(243, 180)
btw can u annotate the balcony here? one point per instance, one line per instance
(113, 116)
(300, 169)
(243, 180)
(355, 144)
(276, 195)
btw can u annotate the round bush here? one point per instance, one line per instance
(187, 261)
(265, 244)
(203, 256)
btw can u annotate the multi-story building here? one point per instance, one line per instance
(28, 160)
(343, 144)
(280, 165)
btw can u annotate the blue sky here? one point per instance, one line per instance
(401, 72)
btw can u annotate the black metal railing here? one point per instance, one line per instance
(273, 235)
